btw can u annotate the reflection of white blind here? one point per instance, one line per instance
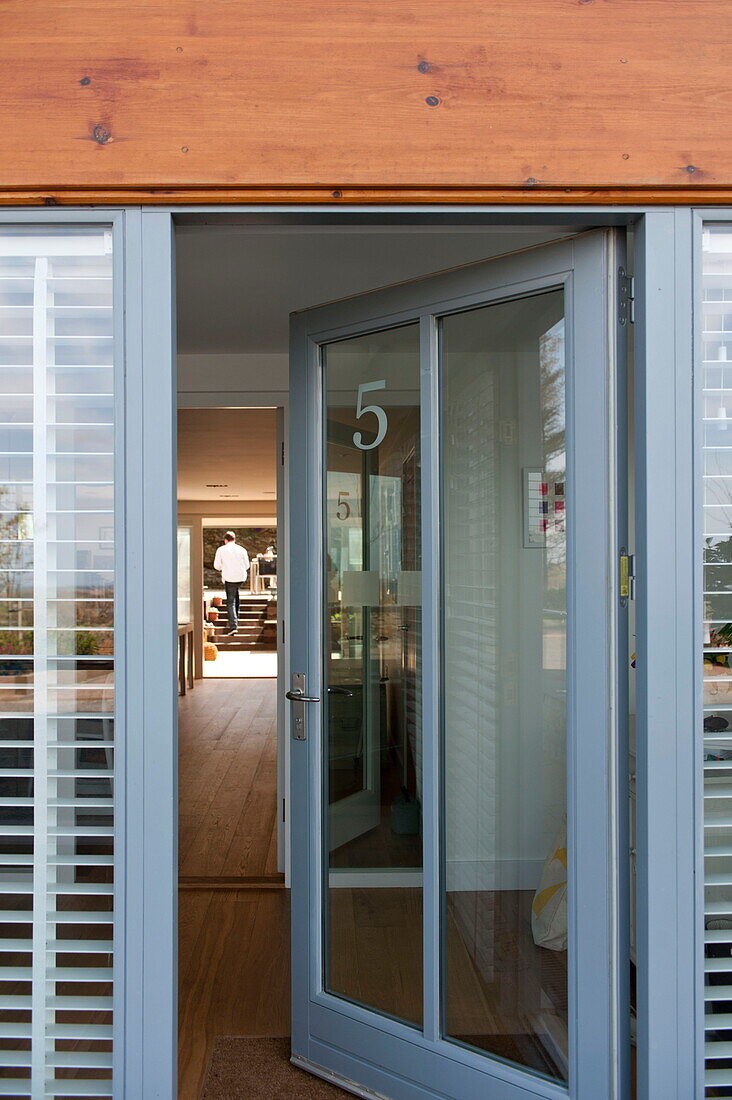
(56, 657)
(470, 624)
(717, 738)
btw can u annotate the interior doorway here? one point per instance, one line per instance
(231, 854)
(237, 286)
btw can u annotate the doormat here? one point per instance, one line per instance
(260, 1069)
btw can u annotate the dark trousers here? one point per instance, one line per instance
(232, 602)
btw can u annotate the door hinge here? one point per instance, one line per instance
(626, 297)
(284, 810)
(626, 587)
(282, 454)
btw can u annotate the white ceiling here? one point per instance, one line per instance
(237, 285)
(225, 455)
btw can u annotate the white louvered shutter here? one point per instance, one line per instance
(56, 661)
(717, 734)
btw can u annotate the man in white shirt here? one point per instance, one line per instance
(232, 562)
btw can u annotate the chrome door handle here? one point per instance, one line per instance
(339, 691)
(298, 696)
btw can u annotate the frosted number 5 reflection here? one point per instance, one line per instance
(379, 413)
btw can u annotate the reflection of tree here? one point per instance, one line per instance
(718, 552)
(551, 367)
(14, 527)
(551, 381)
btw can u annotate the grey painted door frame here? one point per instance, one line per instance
(670, 1063)
(669, 1044)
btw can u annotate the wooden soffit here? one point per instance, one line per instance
(362, 101)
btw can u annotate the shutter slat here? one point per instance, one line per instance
(80, 773)
(17, 1088)
(81, 830)
(80, 1003)
(80, 1031)
(81, 861)
(91, 916)
(14, 1030)
(80, 888)
(718, 879)
(718, 908)
(718, 935)
(718, 1050)
(718, 1078)
(16, 1058)
(79, 803)
(80, 973)
(80, 1059)
(94, 947)
(718, 992)
(718, 1021)
(718, 966)
(99, 744)
(717, 790)
(78, 1087)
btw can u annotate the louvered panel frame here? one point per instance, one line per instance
(56, 661)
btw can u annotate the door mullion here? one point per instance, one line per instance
(431, 602)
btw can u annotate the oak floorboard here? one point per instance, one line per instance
(234, 973)
(228, 778)
(234, 966)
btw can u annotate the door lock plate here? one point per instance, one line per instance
(299, 722)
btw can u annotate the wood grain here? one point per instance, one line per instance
(264, 100)
(227, 780)
(234, 973)
(233, 946)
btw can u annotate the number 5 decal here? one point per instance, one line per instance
(379, 413)
(343, 509)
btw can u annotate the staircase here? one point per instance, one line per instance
(257, 626)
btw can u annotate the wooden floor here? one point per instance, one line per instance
(234, 945)
(227, 780)
(234, 967)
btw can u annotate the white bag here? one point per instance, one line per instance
(549, 908)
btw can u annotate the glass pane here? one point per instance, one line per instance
(372, 672)
(56, 665)
(716, 719)
(185, 608)
(504, 682)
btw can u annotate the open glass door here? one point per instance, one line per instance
(452, 595)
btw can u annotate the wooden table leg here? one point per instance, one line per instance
(189, 647)
(181, 665)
